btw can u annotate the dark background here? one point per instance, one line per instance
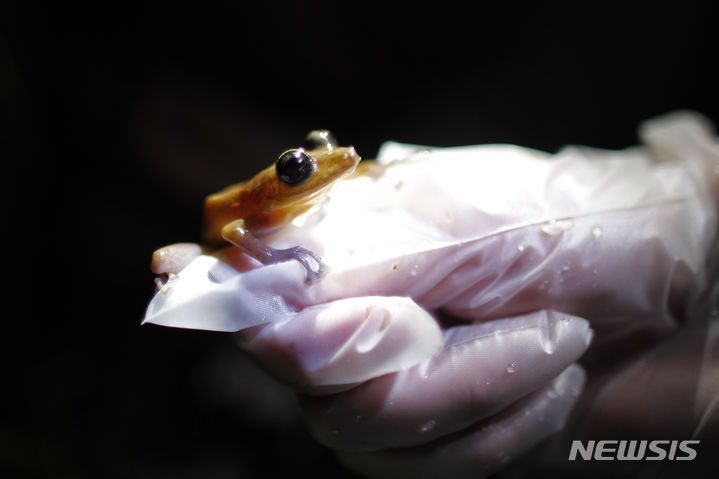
(118, 119)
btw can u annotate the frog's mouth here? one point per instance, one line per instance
(305, 201)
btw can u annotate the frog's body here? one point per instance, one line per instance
(241, 212)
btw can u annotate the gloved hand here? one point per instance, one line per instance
(494, 390)
(618, 238)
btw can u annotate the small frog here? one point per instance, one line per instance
(243, 212)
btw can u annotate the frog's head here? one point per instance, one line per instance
(298, 180)
(302, 174)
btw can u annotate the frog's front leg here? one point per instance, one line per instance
(237, 233)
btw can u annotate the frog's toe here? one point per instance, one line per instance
(303, 256)
(323, 269)
(313, 276)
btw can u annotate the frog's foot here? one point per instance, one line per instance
(236, 233)
(303, 256)
(164, 281)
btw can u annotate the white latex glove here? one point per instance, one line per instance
(494, 239)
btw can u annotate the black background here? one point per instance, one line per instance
(118, 119)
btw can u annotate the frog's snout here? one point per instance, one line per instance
(332, 165)
(352, 155)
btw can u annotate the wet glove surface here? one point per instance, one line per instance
(521, 253)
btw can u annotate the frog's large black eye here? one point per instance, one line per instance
(294, 167)
(320, 139)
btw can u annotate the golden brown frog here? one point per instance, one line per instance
(243, 212)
